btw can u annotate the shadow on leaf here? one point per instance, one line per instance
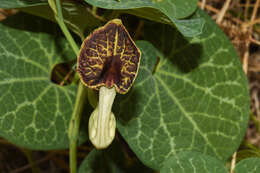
(185, 56)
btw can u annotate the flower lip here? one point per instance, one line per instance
(109, 57)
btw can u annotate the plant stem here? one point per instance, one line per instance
(65, 29)
(94, 10)
(29, 157)
(81, 93)
(74, 126)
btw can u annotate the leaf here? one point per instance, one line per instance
(175, 8)
(251, 165)
(149, 13)
(192, 162)
(34, 112)
(21, 3)
(190, 27)
(76, 15)
(196, 97)
(111, 160)
(164, 11)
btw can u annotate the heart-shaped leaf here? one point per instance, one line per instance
(34, 112)
(164, 11)
(192, 162)
(250, 165)
(195, 98)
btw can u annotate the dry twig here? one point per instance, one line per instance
(203, 4)
(233, 162)
(249, 29)
(223, 12)
(21, 169)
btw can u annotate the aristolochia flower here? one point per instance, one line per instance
(108, 62)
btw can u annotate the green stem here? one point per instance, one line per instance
(30, 159)
(65, 29)
(81, 93)
(74, 126)
(94, 10)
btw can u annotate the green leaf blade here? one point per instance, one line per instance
(195, 99)
(192, 162)
(163, 11)
(34, 112)
(177, 9)
(250, 165)
(190, 27)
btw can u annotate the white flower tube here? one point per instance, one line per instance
(102, 123)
